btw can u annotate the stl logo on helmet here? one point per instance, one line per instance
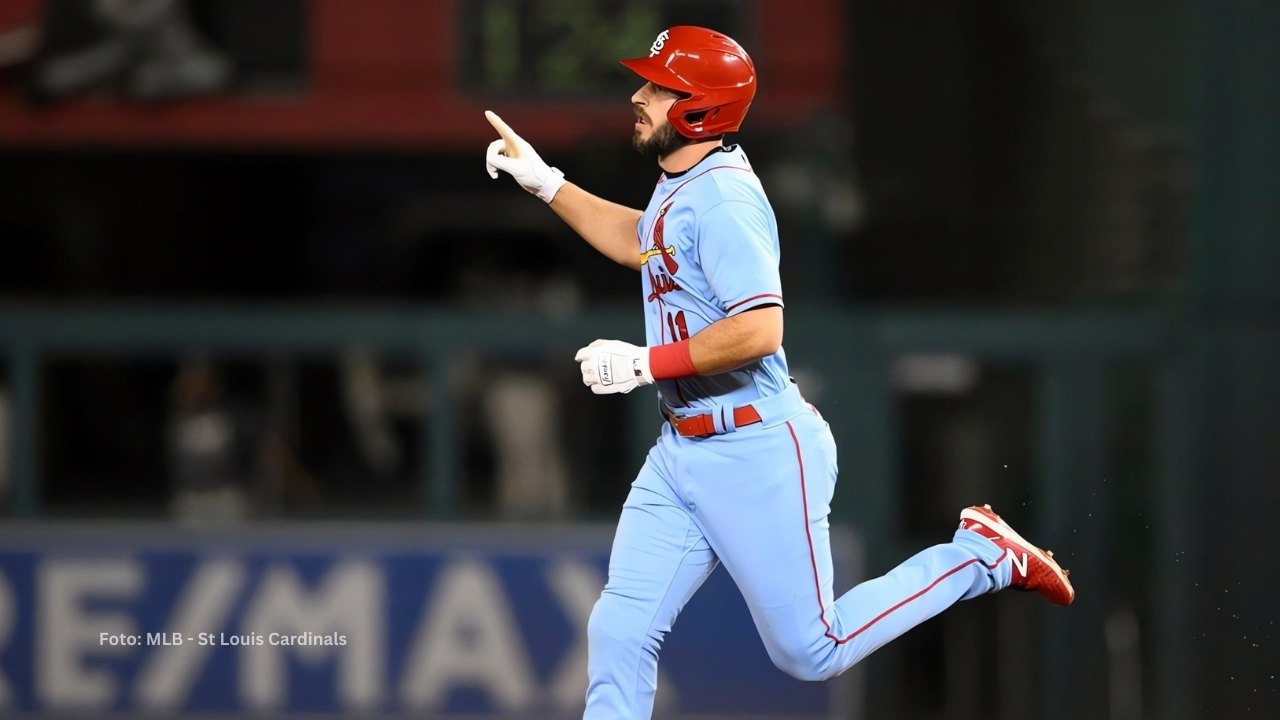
(659, 42)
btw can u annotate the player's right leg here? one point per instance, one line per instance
(659, 559)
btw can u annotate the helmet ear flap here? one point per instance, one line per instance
(695, 117)
(697, 120)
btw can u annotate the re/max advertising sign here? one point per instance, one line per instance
(441, 621)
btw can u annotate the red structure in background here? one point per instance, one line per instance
(384, 74)
(18, 13)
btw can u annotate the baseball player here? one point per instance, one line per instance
(744, 469)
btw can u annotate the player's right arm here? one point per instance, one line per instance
(609, 227)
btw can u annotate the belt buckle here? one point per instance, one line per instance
(675, 421)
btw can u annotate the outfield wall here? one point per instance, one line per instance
(353, 621)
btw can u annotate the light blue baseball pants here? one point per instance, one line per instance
(756, 499)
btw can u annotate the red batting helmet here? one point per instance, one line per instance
(714, 72)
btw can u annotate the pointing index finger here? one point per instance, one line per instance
(508, 135)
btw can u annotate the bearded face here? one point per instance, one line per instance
(660, 143)
(654, 136)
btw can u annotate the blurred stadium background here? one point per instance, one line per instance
(277, 356)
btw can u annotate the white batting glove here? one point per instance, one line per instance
(613, 366)
(512, 154)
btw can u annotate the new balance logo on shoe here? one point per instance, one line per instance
(1021, 566)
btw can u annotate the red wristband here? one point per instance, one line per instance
(671, 361)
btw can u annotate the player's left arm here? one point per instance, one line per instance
(737, 340)
(614, 366)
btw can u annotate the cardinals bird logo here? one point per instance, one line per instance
(660, 249)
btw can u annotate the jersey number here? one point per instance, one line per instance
(679, 330)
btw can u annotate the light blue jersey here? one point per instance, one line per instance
(709, 244)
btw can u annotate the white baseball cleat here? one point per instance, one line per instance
(1034, 570)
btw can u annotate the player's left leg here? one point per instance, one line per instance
(764, 500)
(659, 560)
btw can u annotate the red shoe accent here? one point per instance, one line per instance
(1033, 569)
